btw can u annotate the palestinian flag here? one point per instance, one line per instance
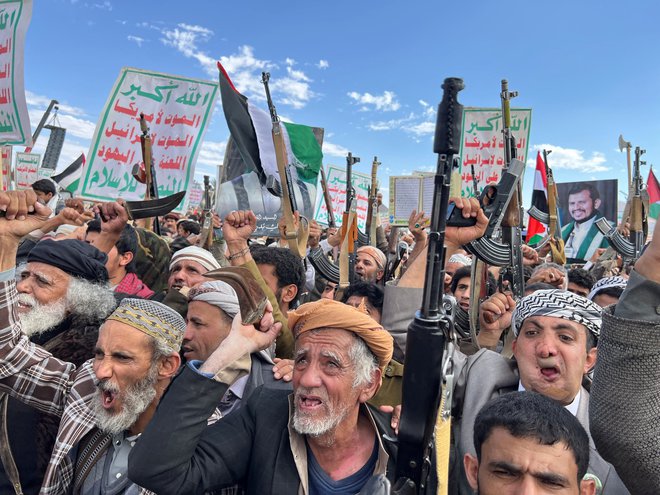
(69, 178)
(251, 130)
(535, 229)
(653, 188)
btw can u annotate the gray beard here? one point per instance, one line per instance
(317, 427)
(135, 400)
(41, 317)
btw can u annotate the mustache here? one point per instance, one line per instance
(108, 386)
(27, 299)
(320, 393)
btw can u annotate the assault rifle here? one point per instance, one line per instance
(631, 248)
(207, 225)
(502, 204)
(327, 200)
(372, 210)
(342, 274)
(432, 327)
(296, 238)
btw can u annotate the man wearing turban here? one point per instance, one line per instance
(322, 435)
(105, 403)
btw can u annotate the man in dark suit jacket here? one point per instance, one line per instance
(323, 435)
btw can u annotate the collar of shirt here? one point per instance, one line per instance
(299, 449)
(572, 407)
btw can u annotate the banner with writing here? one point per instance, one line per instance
(337, 188)
(482, 145)
(5, 154)
(195, 195)
(27, 169)
(14, 120)
(177, 111)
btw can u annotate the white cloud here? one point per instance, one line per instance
(385, 102)
(570, 159)
(201, 30)
(243, 67)
(34, 100)
(136, 39)
(212, 153)
(323, 64)
(331, 149)
(103, 6)
(184, 38)
(421, 129)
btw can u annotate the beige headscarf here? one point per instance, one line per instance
(326, 313)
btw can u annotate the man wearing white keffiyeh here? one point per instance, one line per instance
(555, 347)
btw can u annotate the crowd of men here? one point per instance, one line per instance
(129, 363)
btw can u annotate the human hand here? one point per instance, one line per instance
(395, 411)
(239, 225)
(74, 216)
(24, 207)
(217, 221)
(281, 225)
(458, 236)
(495, 315)
(114, 217)
(22, 214)
(549, 275)
(253, 338)
(283, 369)
(75, 203)
(417, 224)
(334, 237)
(597, 254)
(530, 256)
(315, 232)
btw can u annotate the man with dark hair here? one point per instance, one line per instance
(187, 227)
(607, 290)
(366, 294)
(283, 271)
(527, 443)
(45, 190)
(580, 281)
(581, 235)
(120, 264)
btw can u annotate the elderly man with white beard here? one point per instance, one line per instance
(105, 403)
(63, 298)
(323, 436)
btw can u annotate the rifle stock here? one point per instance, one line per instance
(432, 326)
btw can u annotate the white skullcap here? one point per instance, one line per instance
(194, 253)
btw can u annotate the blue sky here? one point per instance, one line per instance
(369, 72)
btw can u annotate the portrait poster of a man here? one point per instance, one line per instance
(581, 205)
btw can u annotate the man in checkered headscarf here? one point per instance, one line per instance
(556, 333)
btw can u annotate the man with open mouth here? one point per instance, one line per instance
(105, 403)
(556, 333)
(323, 436)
